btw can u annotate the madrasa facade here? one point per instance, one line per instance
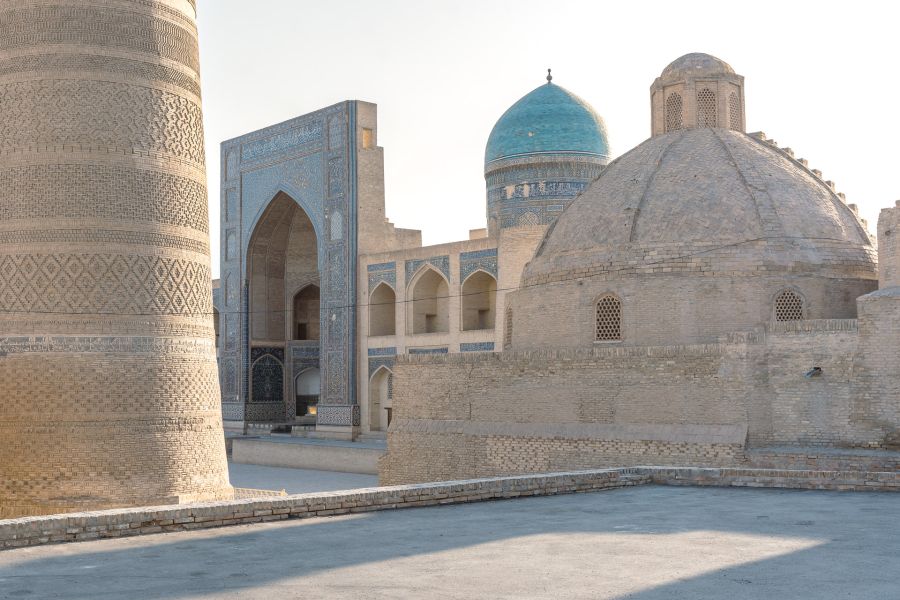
(704, 299)
(320, 293)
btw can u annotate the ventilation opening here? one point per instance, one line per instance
(706, 108)
(734, 112)
(674, 110)
(609, 319)
(788, 306)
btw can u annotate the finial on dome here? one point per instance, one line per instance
(549, 76)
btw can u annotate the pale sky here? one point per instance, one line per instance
(821, 77)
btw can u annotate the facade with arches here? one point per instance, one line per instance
(315, 279)
(708, 300)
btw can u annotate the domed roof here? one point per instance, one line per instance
(696, 64)
(702, 188)
(549, 119)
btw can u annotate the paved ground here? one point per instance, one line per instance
(649, 543)
(296, 481)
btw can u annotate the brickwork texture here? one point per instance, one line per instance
(108, 377)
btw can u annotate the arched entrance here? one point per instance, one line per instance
(283, 271)
(381, 396)
(307, 386)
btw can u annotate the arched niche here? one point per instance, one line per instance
(307, 388)
(306, 314)
(479, 301)
(282, 256)
(381, 396)
(383, 311)
(429, 310)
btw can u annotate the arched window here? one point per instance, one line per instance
(306, 313)
(429, 310)
(479, 295)
(788, 306)
(674, 111)
(706, 108)
(382, 311)
(734, 112)
(609, 319)
(508, 331)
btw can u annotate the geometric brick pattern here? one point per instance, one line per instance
(109, 386)
(103, 284)
(111, 192)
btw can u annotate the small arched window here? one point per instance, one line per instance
(706, 108)
(734, 112)
(609, 319)
(674, 111)
(788, 306)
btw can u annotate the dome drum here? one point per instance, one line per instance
(695, 230)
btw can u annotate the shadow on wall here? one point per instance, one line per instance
(706, 543)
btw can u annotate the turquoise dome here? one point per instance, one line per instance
(548, 120)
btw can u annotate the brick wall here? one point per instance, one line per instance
(533, 411)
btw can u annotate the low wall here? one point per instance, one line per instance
(34, 531)
(459, 416)
(304, 454)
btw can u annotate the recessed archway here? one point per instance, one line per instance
(381, 396)
(307, 387)
(382, 311)
(429, 310)
(479, 301)
(306, 314)
(282, 256)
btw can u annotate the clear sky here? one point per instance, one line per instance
(821, 77)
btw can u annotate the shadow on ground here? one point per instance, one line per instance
(649, 543)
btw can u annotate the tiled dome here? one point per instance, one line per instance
(548, 120)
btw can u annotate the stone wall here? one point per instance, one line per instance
(533, 411)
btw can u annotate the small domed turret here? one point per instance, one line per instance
(695, 91)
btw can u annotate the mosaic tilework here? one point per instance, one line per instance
(441, 263)
(381, 357)
(428, 350)
(383, 361)
(485, 260)
(382, 272)
(267, 378)
(339, 416)
(312, 159)
(477, 347)
(382, 351)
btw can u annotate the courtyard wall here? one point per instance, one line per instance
(705, 404)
